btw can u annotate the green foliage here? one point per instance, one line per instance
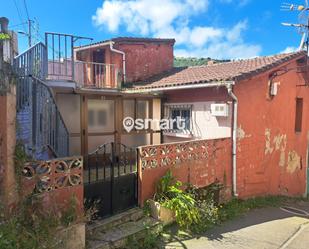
(4, 36)
(20, 159)
(29, 228)
(7, 77)
(191, 211)
(70, 216)
(191, 61)
(149, 241)
(237, 207)
(30, 225)
(208, 209)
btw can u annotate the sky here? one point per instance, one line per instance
(220, 29)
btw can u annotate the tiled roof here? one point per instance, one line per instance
(132, 39)
(228, 71)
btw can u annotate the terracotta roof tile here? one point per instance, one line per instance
(131, 39)
(217, 72)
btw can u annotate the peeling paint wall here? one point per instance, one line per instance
(270, 154)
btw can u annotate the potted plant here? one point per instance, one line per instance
(171, 203)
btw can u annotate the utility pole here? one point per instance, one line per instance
(29, 33)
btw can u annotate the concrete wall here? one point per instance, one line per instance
(271, 156)
(199, 172)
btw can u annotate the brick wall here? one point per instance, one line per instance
(200, 170)
(271, 156)
(144, 60)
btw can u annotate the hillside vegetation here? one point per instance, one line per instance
(191, 61)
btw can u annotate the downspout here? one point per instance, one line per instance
(123, 59)
(234, 138)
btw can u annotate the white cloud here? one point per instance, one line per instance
(171, 19)
(289, 50)
(146, 16)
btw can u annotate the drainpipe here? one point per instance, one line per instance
(234, 146)
(123, 59)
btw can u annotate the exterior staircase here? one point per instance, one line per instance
(115, 231)
(41, 128)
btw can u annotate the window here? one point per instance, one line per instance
(136, 109)
(298, 114)
(180, 113)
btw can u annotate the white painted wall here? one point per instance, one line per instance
(205, 125)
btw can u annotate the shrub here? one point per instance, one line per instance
(191, 211)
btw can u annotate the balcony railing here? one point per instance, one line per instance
(62, 64)
(85, 74)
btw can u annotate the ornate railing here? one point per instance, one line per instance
(154, 156)
(45, 176)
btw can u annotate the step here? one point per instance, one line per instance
(117, 236)
(133, 214)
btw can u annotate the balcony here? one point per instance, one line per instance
(85, 74)
(62, 65)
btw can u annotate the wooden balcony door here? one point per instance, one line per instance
(98, 71)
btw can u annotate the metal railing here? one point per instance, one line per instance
(62, 64)
(48, 125)
(32, 62)
(35, 99)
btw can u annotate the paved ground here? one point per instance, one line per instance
(265, 228)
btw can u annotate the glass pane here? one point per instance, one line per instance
(75, 146)
(128, 108)
(135, 140)
(69, 107)
(101, 115)
(142, 109)
(95, 141)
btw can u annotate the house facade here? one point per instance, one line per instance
(72, 101)
(263, 111)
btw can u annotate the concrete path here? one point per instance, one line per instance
(266, 228)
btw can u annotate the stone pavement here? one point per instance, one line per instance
(266, 228)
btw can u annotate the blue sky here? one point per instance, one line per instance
(202, 28)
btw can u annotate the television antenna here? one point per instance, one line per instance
(303, 25)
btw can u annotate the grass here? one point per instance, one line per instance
(237, 207)
(229, 211)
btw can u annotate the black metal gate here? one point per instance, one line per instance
(110, 179)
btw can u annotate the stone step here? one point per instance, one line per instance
(117, 236)
(133, 214)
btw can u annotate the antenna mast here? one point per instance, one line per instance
(303, 25)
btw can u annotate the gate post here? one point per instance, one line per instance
(8, 190)
(112, 175)
(139, 178)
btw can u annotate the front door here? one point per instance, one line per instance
(98, 68)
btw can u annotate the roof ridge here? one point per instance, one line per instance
(250, 59)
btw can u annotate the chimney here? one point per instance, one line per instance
(210, 62)
(8, 46)
(4, 22)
